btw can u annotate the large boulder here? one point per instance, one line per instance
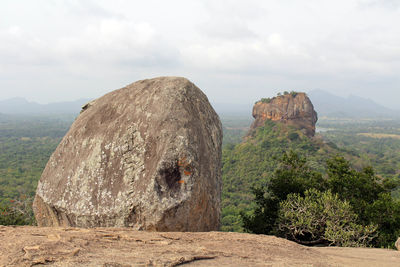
(147, 156)
(293, 109)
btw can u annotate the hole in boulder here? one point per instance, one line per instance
(132, 218)
(171, 175)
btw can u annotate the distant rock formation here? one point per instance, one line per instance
(293, 109)
(147, 156)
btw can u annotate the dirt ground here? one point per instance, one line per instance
(117, 247)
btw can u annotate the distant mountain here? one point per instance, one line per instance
(327, 104)
(19, 105)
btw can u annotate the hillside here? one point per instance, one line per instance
(253, 161)
(117, 247)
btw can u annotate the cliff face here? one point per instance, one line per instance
(292, 109)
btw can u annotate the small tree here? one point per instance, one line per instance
(360, 188)
(373, 209)
(385, 212)
(321, 217)
(292, 176)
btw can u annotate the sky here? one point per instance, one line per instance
(235, 51)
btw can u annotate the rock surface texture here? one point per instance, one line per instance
(116, 247)
(147, 156)
(291, 109)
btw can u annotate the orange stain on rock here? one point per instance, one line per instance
(181, 181)
(182, 162)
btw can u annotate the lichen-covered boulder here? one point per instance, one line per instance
(147, 156)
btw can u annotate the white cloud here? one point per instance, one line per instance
(109, 39)
(223, 45)
(389, 4)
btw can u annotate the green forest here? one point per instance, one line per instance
(26, 143)
(250, 163)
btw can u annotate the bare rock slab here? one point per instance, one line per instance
(125, 247)
(147, 156)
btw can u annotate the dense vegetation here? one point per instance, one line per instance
(26, 144)
(252, 162)
(269, 99)
(376, 143)
(342, 206)
(321, 218)
(234, 128)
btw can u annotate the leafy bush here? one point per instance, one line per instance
(322, 218)
(369, 196)
(373, 210)
(266, 100)
(385, 212)
(293, 136)
(293, 176)
(361, 188)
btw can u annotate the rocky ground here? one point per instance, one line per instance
(123, 247)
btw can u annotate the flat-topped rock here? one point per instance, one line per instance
(293, 109)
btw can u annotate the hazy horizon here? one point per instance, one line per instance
(241, 103)
(235, 51)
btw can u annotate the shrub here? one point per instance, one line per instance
(363, 199)
(292, 176)
(293, 136)
(321, 217)
(385, 212)
(17, 212)
(265, 100)
(360, 188)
